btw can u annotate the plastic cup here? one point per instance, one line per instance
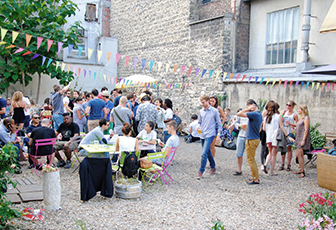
(199, 131)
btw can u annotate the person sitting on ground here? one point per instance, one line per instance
(68, 130)
(333, 150)
(42, 132)
(148, 136)
(126, 142)
(225, 134)
(194, 135)
(172, 142)
(120, 115)
(97, 134)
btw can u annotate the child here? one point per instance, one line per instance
(194, 135)
(148, 136)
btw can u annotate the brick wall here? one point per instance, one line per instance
(106, 21)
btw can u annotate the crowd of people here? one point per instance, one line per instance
(76, 118)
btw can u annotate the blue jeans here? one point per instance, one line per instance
(18, 152)
(240, 146)
(166, 136)
(206, 154)
(57, 120)
(26, 123)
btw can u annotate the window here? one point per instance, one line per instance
(282, 36)
(91, 14)
(81, 46)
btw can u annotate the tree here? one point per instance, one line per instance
(42, 18)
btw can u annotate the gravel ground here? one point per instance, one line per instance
(187, 203)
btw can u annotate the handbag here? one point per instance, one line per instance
(146, 164)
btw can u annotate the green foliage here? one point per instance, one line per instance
(43, 18)
(8, 157)
(316, 138)
(261, 104)
(221, 98)
(217, 225)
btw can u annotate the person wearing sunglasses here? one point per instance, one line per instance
(35, 123)
(289, 119)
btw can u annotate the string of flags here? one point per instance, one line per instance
(160, 66)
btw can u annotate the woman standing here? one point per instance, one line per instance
(18, 109)
(160, 118)
(302, 137)
(288, 122)
(78, 114)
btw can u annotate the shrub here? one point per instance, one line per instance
(316, 138)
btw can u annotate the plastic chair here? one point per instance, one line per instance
(43, 142)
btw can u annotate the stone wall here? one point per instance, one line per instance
(170, 32)
(321, 104)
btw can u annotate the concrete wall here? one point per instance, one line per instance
(321, 52)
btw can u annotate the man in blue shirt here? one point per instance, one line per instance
(94, 110)
(117, 98)
(208, 117)
(3, 105)
(252, 136)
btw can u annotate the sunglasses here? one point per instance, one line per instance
(288, 105)
(36, 117)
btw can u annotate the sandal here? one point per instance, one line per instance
(282, 167)
(298, 172)
(302, 174)
(273, 174)
(288, 168)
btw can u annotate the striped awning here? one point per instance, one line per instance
(329, 23)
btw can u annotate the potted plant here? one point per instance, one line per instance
(51, 188)
(128, 188)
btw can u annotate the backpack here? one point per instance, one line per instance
(131, 164)
(229, 145)
(177, 119)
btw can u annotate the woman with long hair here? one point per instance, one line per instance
(302, 137)
(18, 109)
(288, 121)
(160, 118)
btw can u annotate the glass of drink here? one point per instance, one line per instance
(96, 142)
(199, 131)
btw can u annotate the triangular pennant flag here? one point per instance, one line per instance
(274, 81)
(74, 69)
(302, 83)
(238, 75)
(57, 64)
(151, 63)
(3, 33)
(80, 50)
(167, 67)
(35, 56)
(261, 81)
(70, 46)
(307, 85)
(94, 75)
(108, 56)
(286, 81)
(280, 82)
(217, 74)
(243, 78)
(26, 53)
(323, 84)
(99, 54)
(89, 73)
(126, 60)
(89, 53)
(297, 82)
(60, 46)
(328, 87)
(43, 59)
(182, 69)
(2, 42)
(317, 85)
(112, 79)
(175, 67)
(104, 76)
(313, 84)
(117, 58)
(224, 75)
(79, 70)
(84, 72)
(14, 36)
(28, 38)
(143, 63)
(10, 46)
(49, 44)
(63, 66)
(211, 72)
(159, 66)
(333, 86)
(18, 50)
(69, 66)
(108, 78)
(49, 62)
(256, 80)
(231, 75)
(99, 76)
(189, 71)
(290, 84)
(249, 80)
(39, 41)
(268, 79)
(196, 71)
(135, 60)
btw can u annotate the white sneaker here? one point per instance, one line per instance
(262, 168)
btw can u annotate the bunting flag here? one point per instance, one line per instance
(323, 84)
(189, 71)
(268, 79)
(63, 66)
(28, 38)
(280, 82)
(302, 83)
(43, 59)
(108, 56)
(112, 78)
(126, 62)
(249, 80)
(135, 60)
(297, 82)
(307, 85)
(94, 75)
(117, 58)
(151, 64)
(211, 72)
(317, 85)
(2, 42)
(313, 84)
(256, 80)
(14, 36)
(231, 75)
(18, 50)
(108, 79)
(333, 86)
(70, 49)
(49, 62)
(143, 63)
(79, 70)
(60, 46)
(290, 84)
(57, 64)
(196, 71)
(182, 70)
(261, 81)
(328, 87)
(203, 72)
(89, 53)
(84, 72)
(159, 66)
(99, 54)
(285, 83)
(80, 50)
(104, 76)
(167, 67)
(3, 33)
(99, 76)
(74, 69)
(175, 67)
(10, 46)
(217, 74)
(26, 53)
(39, 41)
(238, 75)
(35, 56)
(224, 75)
(49, 44)
(274, 81)
(69, 66)
(244, 76)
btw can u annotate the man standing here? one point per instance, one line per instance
(252, 136)
(120, 115)
(94, 110)
(57, 103)
(117, 98)
(66, 102)
(107, 110)
(145, 112)
(208, 117)
(67, 129)
(2, 108)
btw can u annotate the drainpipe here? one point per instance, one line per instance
(306, 30)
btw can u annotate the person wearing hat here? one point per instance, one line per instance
(107, 110)
(145, 112)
